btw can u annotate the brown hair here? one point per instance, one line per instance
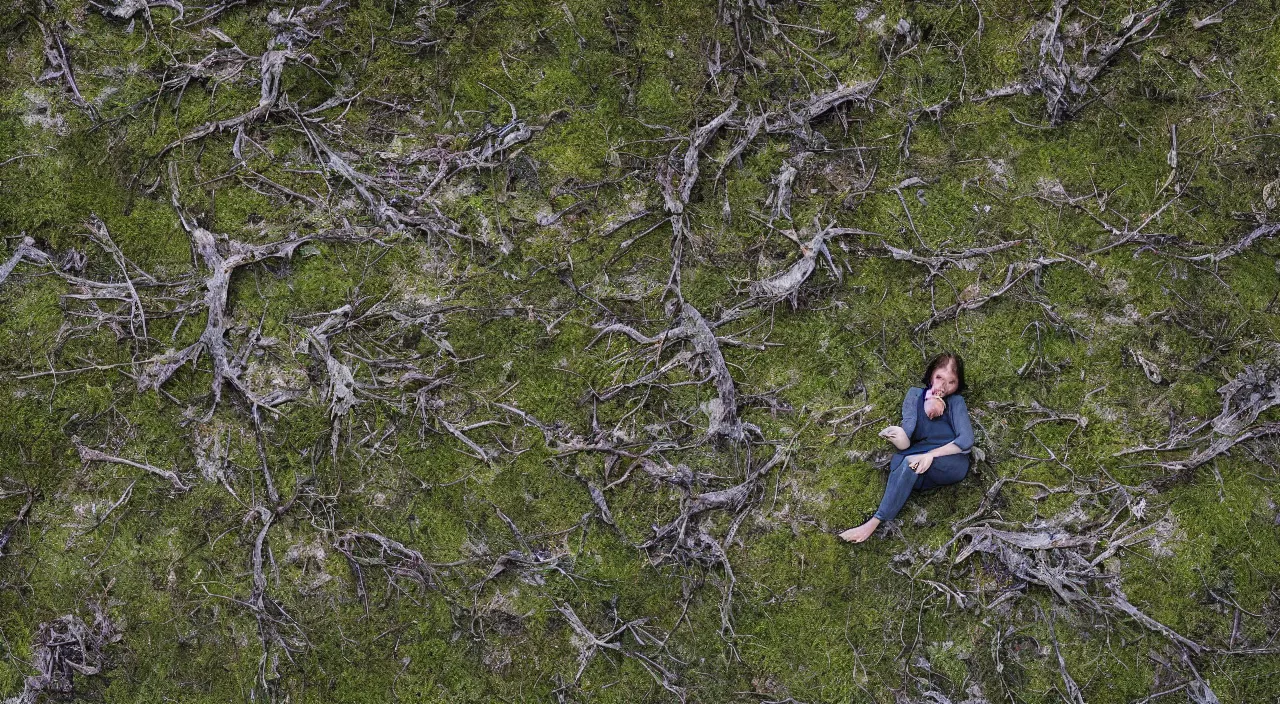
(943, 358)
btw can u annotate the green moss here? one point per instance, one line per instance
(813, 618)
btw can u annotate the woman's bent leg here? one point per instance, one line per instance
(945, 470)
(901, 481)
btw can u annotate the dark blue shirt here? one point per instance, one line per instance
(957, 414)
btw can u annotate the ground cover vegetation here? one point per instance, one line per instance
(500, 350)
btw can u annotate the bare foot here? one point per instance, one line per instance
(862, 532)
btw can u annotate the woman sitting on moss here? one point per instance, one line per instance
(933, 440)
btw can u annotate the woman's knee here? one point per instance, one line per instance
(899, 467)
(955, 473)
(942, 473)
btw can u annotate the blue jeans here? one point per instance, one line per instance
(944, 470)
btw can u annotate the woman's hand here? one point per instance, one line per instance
(935, 407)
(920, 463)
(896, 436)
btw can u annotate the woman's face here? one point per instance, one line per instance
(944, 379)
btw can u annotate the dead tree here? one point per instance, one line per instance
(783, 183)
(676, 184)
(1254, 390)
(271, 66)
(702, 355)
(801, 115)
(1062, 82)
(292, 33)
(221, 263)
(937, 263)
(277, 630)
(1261, 232)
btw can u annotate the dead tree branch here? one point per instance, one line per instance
(88, 454)
(1032, 267)
(1254, 390)
(7, 533)
(800, 115)
(126, 9)
(221, 264)
(55, 52)
(685, 538)
(26, 251)
(589, 644)
(1259, 233)
(937, 263)
(787, 283)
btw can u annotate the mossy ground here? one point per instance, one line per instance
(617, 84)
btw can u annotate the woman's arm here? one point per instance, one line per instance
(909, 410)
(960, 422)
(948, 449)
